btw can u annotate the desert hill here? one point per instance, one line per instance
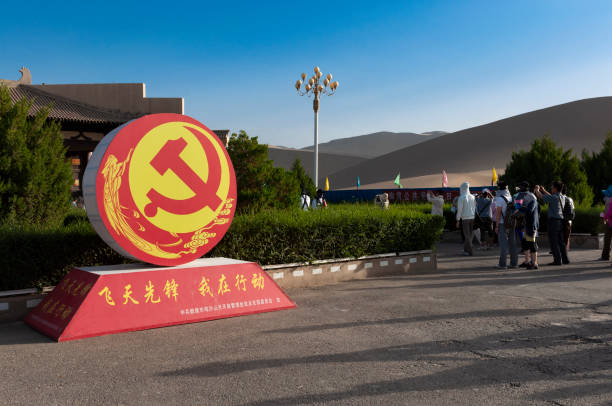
(375, 144)
(471, 153)
(328, 163)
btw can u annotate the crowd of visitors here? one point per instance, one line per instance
(512, 220)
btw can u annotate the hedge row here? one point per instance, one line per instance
(37, 258)
(348, 231)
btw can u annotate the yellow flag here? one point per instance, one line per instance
(326, 184)
(494, 177)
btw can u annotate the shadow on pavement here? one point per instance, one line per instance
(498, 359)
(20, 333)
(401, 320)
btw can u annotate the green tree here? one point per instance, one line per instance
(260, 184)
(284, 189)
(545, 163)
(304, 180)
(35, 176)
(598, 167)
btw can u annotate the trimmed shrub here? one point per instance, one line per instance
(37, 257)
(276, 237)
(587, 220)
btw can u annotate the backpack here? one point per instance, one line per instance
(569, 212)
(513, 218)
(484, 210)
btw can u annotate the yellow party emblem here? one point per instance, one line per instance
(161, 189)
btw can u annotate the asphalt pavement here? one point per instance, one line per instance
(468, 335)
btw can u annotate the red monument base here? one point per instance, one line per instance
(94, 301)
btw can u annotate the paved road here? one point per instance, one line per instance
(469, 335)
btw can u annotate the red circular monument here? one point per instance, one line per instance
(160, 189)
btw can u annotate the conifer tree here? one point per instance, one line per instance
(304, 180)
(35, 176)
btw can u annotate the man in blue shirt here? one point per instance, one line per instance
(556, 202)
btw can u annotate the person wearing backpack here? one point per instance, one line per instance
(556, 202)
(569, 213)
(506, 232)
(528, 218)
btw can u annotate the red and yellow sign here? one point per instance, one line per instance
(160, 189)
(104, 300)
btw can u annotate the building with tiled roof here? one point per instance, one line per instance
(66, 110)
(87, 112)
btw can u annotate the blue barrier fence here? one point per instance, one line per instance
(403, 195)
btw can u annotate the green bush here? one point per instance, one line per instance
(587, 220)
(598, 166)
(273, 237)
(36, 257)
(41, 257)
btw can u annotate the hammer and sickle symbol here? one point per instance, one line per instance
(205, 193)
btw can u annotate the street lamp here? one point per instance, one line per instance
(316, 87)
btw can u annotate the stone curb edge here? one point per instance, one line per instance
(16, 304)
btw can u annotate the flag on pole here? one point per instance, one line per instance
(326, 184)
(494, 178)
(397, 181)
(358, 182)
(444, 179)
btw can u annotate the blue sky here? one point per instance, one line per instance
(402, 66)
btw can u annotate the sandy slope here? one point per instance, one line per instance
(578, 125)
(477, 178)
(375, 144)
(328, 163)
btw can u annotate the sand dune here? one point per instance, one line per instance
(478, 178)
(579, 125)
(375, 144)
(328, 163)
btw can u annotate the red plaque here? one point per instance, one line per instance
(103, 300)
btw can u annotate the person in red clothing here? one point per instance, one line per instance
(608, 220)
(605, 253)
